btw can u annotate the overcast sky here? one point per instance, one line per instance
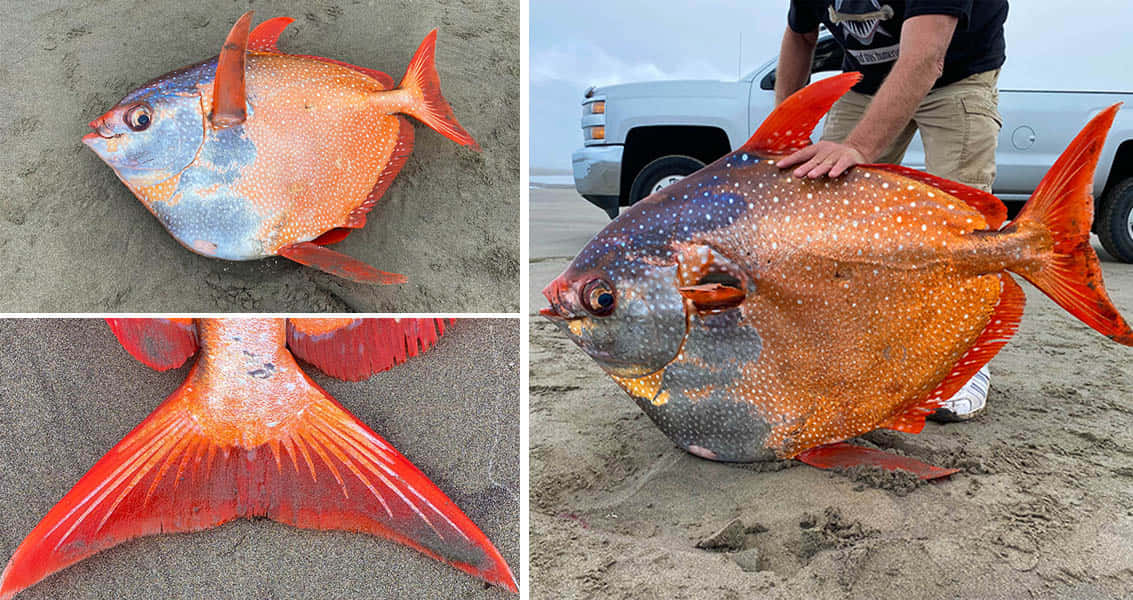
(1050, 44)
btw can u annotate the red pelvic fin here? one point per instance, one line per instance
(333, 236)
(401, 151)
(337, 264)
(992, 208)
(431, 108)
(1071, 274)
(265, 37)
(354, 349)
(228, 97)
(323, 470)
(842, 455)
(1003, 324)
(160, 344)
(789, 126)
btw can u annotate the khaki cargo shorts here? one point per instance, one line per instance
(959, 125)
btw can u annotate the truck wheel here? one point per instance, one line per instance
(1115, 223)
(660, 173)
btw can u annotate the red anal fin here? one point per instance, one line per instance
(789, 126)
(354, 349)
(992, 208)
(324, 470)
(160, 344)
(424, 84)
(265, 38)
(843, 456)
(333, 236)
(1003, 324)
(1070, 273)
(229, 102)
(338, 264)
(401, 151)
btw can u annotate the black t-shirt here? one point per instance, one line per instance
(870, 33)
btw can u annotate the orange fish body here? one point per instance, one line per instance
(770, 315)
(259, 153)
(249, 434)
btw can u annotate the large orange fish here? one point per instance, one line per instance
(249, 434)
(259, 153)
(755, 315)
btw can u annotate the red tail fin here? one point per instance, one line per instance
(424, 85)
(1071, 274)
(321, 469)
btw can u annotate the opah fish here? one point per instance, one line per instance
(755, 315)
(249, 434)
(258, 153)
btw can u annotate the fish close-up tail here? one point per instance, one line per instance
(249, 434)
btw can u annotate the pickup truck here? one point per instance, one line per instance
(640, 137)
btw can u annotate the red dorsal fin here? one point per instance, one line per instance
(401, 151)
(843, 456)
(338, 264)
(789, 126)
(1004, 321)
(265, 37)
(324, 469)
(1062, 204)
(354, 349)
(228, 97)
(160, 344)
(992, 208)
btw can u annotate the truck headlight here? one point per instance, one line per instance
(596, 133)
(598, 108)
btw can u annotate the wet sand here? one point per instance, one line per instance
(1041, 508)
(73, 237)
(69, 393)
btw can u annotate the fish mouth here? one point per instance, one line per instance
(552, 314)
(553, 294)
(101, 130)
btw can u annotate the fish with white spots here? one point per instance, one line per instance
(259, 153)
(754, 315)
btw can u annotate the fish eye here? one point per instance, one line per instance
(598, 297)
(137, 117)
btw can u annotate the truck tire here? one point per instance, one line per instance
(660, 173)
(1115, 221)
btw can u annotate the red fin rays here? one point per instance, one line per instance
(842, 455)
(354, 349)
(160, 344)
(228, 94)
(789, 126)
(992, 208)
(265, 37)
(424, 85)
(999, 330)
(338, 264)
(321, 469)
(1071, 274)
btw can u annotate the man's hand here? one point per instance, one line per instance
(823, 158)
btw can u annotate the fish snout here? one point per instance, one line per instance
(554, 294)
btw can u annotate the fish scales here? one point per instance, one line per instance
(755, 315)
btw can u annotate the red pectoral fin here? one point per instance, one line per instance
(354, 349)
(161, 344)
(322, 469)
(228, 97)
(713, 296)
(340, 265)
(843, 456)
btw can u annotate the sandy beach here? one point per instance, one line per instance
(73, 238)
(70, 392)
(1040, 509)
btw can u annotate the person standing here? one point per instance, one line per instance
(927, 65)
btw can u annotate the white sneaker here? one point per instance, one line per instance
(967, 403)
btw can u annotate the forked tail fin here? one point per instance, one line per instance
(1062, 204)
(424, 87)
